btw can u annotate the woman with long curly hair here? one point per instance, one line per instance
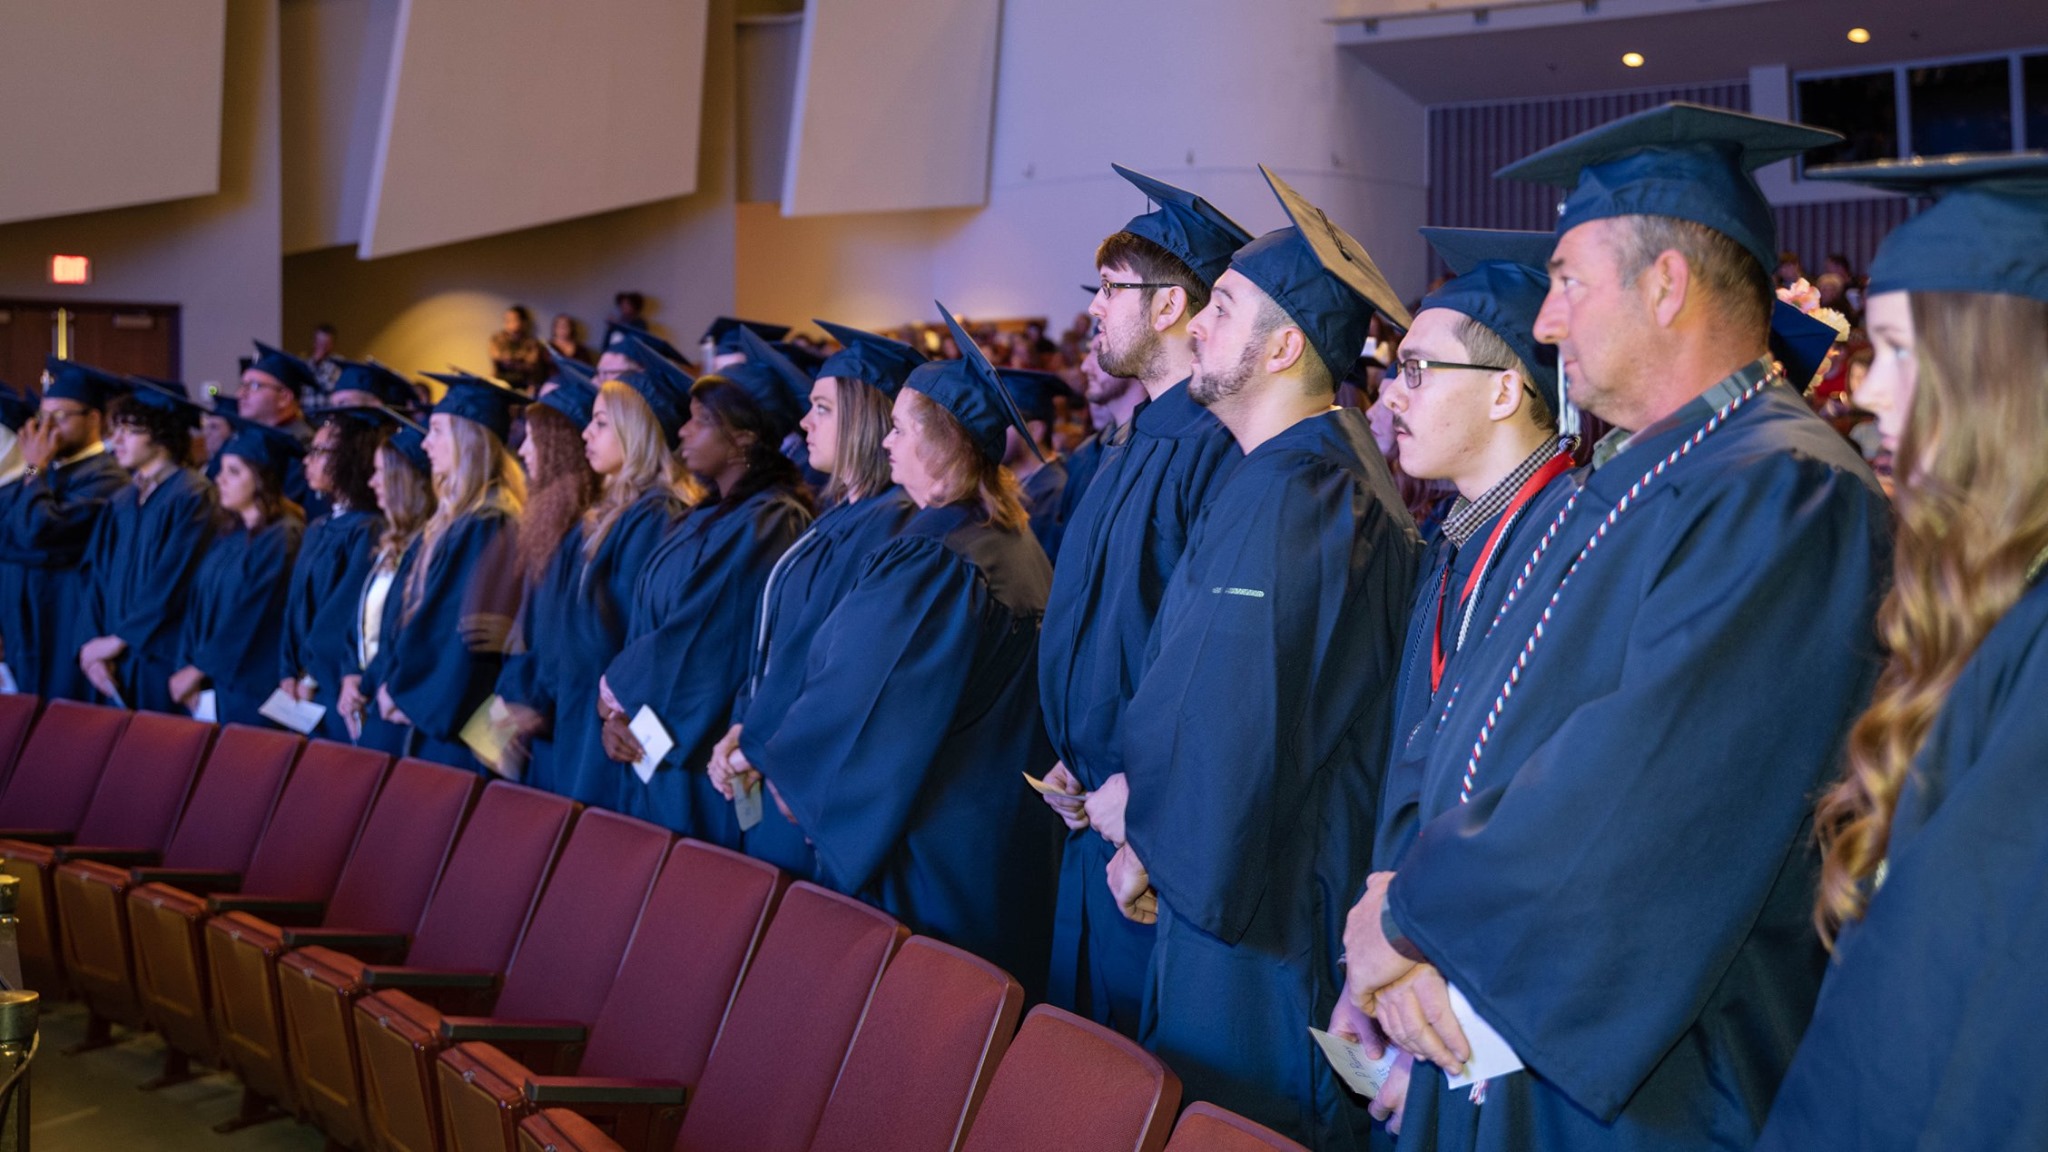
(1929, 1031)
(334, 560)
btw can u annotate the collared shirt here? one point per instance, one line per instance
(1695, 411)
(1467, 517)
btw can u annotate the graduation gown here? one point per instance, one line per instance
(1928, 1032)
(234, 622)
(1627, 896)
(1043, 491)
(806, 585)
(1253, 749)
(320, 599)
(917, 710)
(1122, 543)
(1081, 465)
(441, 663)
(686, 651)
(45, 525)
(575, 625)
(140, 567)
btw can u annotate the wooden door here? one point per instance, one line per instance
(121, 338)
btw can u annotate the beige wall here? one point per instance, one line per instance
(335, 59)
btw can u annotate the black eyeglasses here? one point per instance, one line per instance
(1110, 287)
(1412, 370)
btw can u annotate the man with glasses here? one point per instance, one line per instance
(47, 513)
(271, 387)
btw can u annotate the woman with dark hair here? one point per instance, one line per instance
(565, 339)
(849, 417)
(1934, 842)
(917, 708)
(685, 654)
(234, 622)
(517, 355)
(145, 551)
(334, 560)
(403, 482)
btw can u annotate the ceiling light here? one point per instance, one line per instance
(1632, 59)
(1859, 35)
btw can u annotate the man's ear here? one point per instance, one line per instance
(1670, 279)
(1169, 307)
(1508, 396)
(1286, 346)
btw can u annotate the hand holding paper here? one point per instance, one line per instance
(655, 742)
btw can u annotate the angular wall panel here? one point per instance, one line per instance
(335, 63)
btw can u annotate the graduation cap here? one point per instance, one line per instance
(1987, 231)
(1186, 225)
(1800, 342)
(71, 380)
(637, 344)
(1500, 279)
(800, 356)
(724, 333)
(1032, 391)
(410, 441)
(569, 370)
(266, 449)
(971, 389)
(1686, 161)
(477, 399)
(225, 406)
(1322, 278)
(162, 396)
(576, 401)
(374, 379)
(370, 415)
(777, 385)
(16, 408)
(666, 389)
(878, 360)
(285, 368)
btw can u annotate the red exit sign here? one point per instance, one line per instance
(70, 270)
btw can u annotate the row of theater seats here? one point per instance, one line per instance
(420, 962)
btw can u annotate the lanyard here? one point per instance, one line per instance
(1556, 466)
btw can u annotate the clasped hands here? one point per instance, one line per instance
(1407, 999)
(1103, 810)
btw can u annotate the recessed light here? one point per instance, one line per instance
(1632, 59)
(1859, 35)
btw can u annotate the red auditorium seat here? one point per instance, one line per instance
(467, 935)
(1206, 1128)
(1071, 1084)
(218, 831)
(705, 916)
(922, 1059)
(553, 989)
(17, 716)
(58, 767)
(776, 1060)
(143, 787)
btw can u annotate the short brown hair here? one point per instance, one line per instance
(1153, 265)
(1733, 281)
(963, 471)
(1484, 346)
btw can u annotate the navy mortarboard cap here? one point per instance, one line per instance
(286, 368)
(1500, 280)
(374, 379)
(878, 360)
(163, 396)
(782, 389)
(410, 441)
(223, 405)
(569, 370)
(1322, 278)
(576, 401)
(475, 398)
(972, 390)
(1685, 161)
(267, 449)
(71, 380)
(666, 389)
(1800, 342)
(724, 333)
(1987, 231)
(637, 344)
(1032, 391)
(1186, 225)
(15, 408)
(800, 356)
(372, 415)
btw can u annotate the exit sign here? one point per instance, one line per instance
(70, 270)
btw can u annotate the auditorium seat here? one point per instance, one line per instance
(553, 988)
(465, 938)
(706, 915)
(222, 820)
(54, 777)
(1206, 1128)
(139, 795)
(1072, 1084)
(17, 716)
(922, 1059)
(776, 1059)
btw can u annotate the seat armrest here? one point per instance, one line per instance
(108, 854)
(573, 1090)
(459, 1029)
(49, 836)
(347, 940)
(397, 976)
(197, 881)
(275, 909)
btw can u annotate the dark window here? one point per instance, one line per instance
(1863, 108)
(1961, 107)
(2034, 83)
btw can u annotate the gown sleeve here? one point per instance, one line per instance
(244, 605)
(58, 518)
(187, 528)
(443, 661)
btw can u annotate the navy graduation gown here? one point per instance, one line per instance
(1081, 465)
(1627, 896)
(900, 752)
(1253, 748)
(807, 584)
(1043, 491)
(1928, 1033)
(378, 733)
(45, 525)
(140, 565)
(1122, 543)
(234, 622)
(686, 651)
(320, 601)
(441, 663)
(576, 621)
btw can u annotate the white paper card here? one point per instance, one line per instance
(301, 716)
(654, 741)
(1491, 1055)
(7, 685)
(208, 708)
(746, 804)
(1364, 1074)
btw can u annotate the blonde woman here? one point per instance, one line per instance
(402, 480)
(450, 610)
(1928, 1033)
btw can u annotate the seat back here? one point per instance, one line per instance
(924, 1054)
(17, 716)
(762, 1090)
(571, 952)
(149, 774)
(316, 820)
(243, 775)
(487, 893)
(63, 759)
(1072, 1084)
(1206, 1128)
(405, 844)
(705, 916)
